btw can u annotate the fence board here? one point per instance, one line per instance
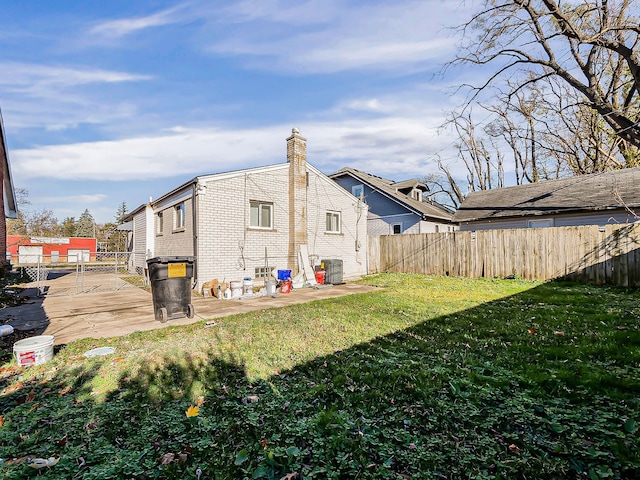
(587, 254)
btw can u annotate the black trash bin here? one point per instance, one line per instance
(170, 279)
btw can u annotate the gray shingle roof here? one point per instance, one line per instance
(595, 192)
(390, 189)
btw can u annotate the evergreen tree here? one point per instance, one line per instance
(121, 212)
(68, 227)
(86, 225)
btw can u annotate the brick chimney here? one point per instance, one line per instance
(297, 158)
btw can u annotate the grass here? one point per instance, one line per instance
(425, 378)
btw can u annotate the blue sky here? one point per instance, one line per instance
(105, 102)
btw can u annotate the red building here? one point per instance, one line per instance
(50, 250)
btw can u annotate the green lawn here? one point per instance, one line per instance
(427, 377)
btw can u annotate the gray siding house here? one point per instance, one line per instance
(245, 223)
(596, 199)
(395, 207)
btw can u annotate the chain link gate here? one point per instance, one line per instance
(96, 272)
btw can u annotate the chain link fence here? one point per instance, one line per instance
(86, 273)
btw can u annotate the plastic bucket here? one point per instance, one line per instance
(270, 285)
(247, 285)
(33, 350)
(236, 288)
(320, 277)
(285, 287)
(284, 275)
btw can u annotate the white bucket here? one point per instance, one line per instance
(236, 288)
(5, 330)
(33, 350)
(271, 287)
(248, 286)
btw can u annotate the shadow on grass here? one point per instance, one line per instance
(542, 384)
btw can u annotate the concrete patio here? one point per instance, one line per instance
(118, 313)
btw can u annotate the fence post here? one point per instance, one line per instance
(38, 281)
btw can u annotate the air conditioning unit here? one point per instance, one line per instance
(333, 271)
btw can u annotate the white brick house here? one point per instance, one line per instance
(245, 223)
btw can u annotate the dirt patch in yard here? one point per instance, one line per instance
(10, 297)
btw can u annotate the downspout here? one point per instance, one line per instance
(195, 232)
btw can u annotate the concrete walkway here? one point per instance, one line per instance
(118, 313)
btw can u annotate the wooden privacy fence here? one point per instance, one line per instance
(609, 255)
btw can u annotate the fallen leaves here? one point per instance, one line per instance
(66, 390)
(192, 411)
(250, 399)
(170, 457)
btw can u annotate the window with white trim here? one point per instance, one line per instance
(260, 214)
(333, 222)
(357, 191)
(179, 216)
(159, 223)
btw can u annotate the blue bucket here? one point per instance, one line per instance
(284, 275)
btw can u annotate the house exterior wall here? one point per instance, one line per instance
(568, 220)
(383, 225)
(173, 241)
(137, 260)
(229, 249)
(385, 212)
(350, 245)
(433, 227)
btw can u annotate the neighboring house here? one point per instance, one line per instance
(23, 249)
(395, 207)
(596, 199)
(245, 223)
(8, 193)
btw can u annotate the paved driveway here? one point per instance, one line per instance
(117, 313)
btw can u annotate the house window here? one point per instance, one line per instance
(159, 223)
(262, 272)
(333, 222)
(540, 223)
(396, 228)
(357, 191)
(260, 215)
(179, 216)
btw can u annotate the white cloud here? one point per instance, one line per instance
(342, 37)
(78, 199)
(52, 97)
(126, 26)
(32, 78)
(384, 146)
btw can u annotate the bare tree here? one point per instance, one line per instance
(590, 46)
(483, 163)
